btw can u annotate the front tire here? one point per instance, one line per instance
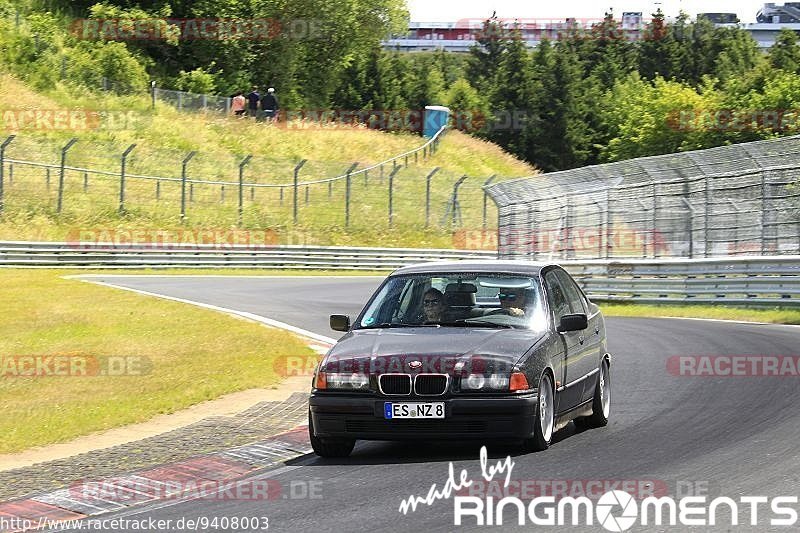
(544, 421)
(332, 447)
(601, 404)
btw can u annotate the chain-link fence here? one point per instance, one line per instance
(742, 199)
(91, 185)
(185, 101)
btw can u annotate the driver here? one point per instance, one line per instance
(433, 306)
(512, 301)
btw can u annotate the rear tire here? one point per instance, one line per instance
(544, 421)
(329, 446)
(601, 404)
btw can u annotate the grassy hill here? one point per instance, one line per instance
(165, 136)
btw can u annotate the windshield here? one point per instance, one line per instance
(457, 300)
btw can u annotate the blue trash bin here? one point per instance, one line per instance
(436, 117)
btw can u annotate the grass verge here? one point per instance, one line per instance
(717, 312)
(185, 355)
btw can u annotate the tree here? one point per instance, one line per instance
(785, 53)
(485, 55)
(653, 48)
(513, 95)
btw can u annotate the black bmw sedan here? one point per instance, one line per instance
(464, 350)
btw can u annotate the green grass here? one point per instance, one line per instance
(165, 137)
(718, 312)
(192, 355)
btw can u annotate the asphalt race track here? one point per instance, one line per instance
(735, 436)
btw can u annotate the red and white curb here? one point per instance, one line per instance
(212, 476)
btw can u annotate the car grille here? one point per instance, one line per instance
(396, 384)
(416, 427)
(430, 384)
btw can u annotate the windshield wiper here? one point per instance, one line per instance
(388, 325)
(478, 324)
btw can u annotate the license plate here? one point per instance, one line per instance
(393, 410)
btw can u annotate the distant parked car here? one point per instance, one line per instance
(464, 350)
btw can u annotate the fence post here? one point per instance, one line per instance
(566, 251)
(654, 229)
(2, 169)
(391, 195)
(705, 218)
(348, 177)
(64, 151)
(609, 222)
(296, 174)
(763, 213)
(122, 164)
(186, 160)
(456, 208)
(485, 198)
(428, 195)
(244, 162)
(347, 201)
(153, 94)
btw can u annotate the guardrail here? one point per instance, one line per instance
(757, 280)
(125, 256)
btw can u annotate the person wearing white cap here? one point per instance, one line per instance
(269, 104)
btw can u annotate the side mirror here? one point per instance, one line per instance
(577, 322)
(340, 322)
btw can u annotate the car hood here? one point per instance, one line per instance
(379, 351)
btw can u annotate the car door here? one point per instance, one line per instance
(568, 396)
(584, 363)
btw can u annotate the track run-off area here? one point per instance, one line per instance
(679, 435)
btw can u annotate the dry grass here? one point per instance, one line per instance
(186, 355)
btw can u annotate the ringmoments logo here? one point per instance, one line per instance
(615, 510)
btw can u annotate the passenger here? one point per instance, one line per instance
(433, 306)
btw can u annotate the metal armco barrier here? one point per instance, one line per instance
(108, 255)
(773, 280)
(770, 280)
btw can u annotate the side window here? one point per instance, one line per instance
(559, 305)
(572, 292)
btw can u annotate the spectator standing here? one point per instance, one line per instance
(239, 103)
(269, 105)
(252, 102)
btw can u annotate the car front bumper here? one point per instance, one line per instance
(361, 417)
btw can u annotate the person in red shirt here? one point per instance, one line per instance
(238, 104)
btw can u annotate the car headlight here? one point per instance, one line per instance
(493, 382)
(340, 381)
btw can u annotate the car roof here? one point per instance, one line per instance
(492, 266)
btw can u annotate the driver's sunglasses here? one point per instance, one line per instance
(507, 296)
(431, 302)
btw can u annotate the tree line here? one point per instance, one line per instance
(586, 97)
